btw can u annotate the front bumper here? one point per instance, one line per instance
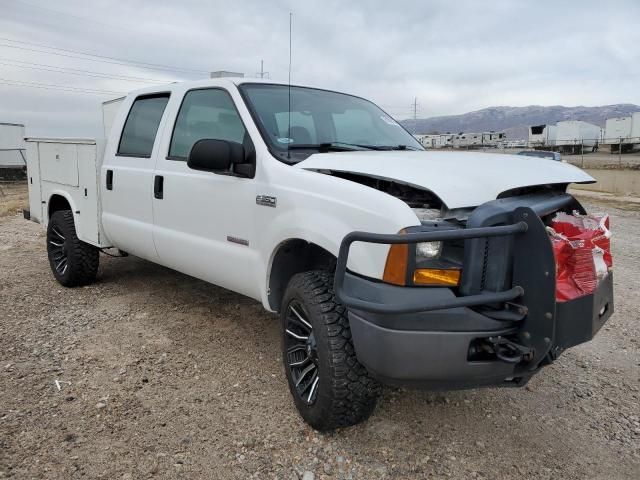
(435, 338)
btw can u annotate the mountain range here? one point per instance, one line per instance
(515, 121)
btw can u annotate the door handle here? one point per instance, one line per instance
(158, 186)
(109, 179)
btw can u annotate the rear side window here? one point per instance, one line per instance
(141, 126)
(206, 113)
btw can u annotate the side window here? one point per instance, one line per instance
(207, 113)
(141, 126)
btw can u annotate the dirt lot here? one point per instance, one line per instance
(163, 376)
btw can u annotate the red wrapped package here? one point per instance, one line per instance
(582, 250)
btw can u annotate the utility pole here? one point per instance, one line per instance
(262, 73)
(415, 108)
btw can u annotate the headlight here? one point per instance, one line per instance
(424, 264)
(428, 250)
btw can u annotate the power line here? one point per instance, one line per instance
(66, 14)
(49, 86)
(75, 71)
(103, 58)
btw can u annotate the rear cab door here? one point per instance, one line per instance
(126, 180)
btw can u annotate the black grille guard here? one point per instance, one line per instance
(532, 257)
(423, 306)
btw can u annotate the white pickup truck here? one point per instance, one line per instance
(386, 263)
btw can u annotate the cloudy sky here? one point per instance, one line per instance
(454, 56)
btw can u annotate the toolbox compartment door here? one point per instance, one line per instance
(59, 163)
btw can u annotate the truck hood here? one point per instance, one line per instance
(459, 179)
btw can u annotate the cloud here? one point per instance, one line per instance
(453, 56)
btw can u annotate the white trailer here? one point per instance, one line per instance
(493, 139)
(623, 133)
(542, 135)
(478, 139)
(427, 141)
(12, 153)
(635, 128)
(445, 140)
(467, 140)
(435, 140)
(573, 136)
(616, 129)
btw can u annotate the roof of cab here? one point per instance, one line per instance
(206, 82)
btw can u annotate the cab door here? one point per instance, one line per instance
(127, 177)
(203, 223)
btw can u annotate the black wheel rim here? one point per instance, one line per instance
(301, 352)
(58, 251)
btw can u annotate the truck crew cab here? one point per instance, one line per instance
(385, 263)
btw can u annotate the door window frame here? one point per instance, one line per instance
(166, 95)
(175, 121)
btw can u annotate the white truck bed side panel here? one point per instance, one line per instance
(69, 168)
(88, 227)
(33, 179)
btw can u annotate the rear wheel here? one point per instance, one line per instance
(330, 387)
(73, 262)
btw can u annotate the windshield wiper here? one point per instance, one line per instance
(327, 147)
(388, 147)
(346, 147)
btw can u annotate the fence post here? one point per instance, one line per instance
(620, 151)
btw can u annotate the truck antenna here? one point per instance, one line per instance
(289, 88)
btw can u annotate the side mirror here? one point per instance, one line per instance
(215, 156)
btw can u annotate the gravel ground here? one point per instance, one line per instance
(153, 374)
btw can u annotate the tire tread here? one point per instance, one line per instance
(83, 259)
(353, 393)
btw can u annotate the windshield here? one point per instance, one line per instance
(321, 121)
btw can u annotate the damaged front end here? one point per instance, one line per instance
(500, 322)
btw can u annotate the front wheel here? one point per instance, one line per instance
(330, 387)
(73, 262)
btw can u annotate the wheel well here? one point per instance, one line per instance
(56, 203)
(295, 256)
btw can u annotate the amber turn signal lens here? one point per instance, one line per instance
(436, 277)
(395, 270)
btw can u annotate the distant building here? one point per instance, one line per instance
(225, 74)
(12, 149)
